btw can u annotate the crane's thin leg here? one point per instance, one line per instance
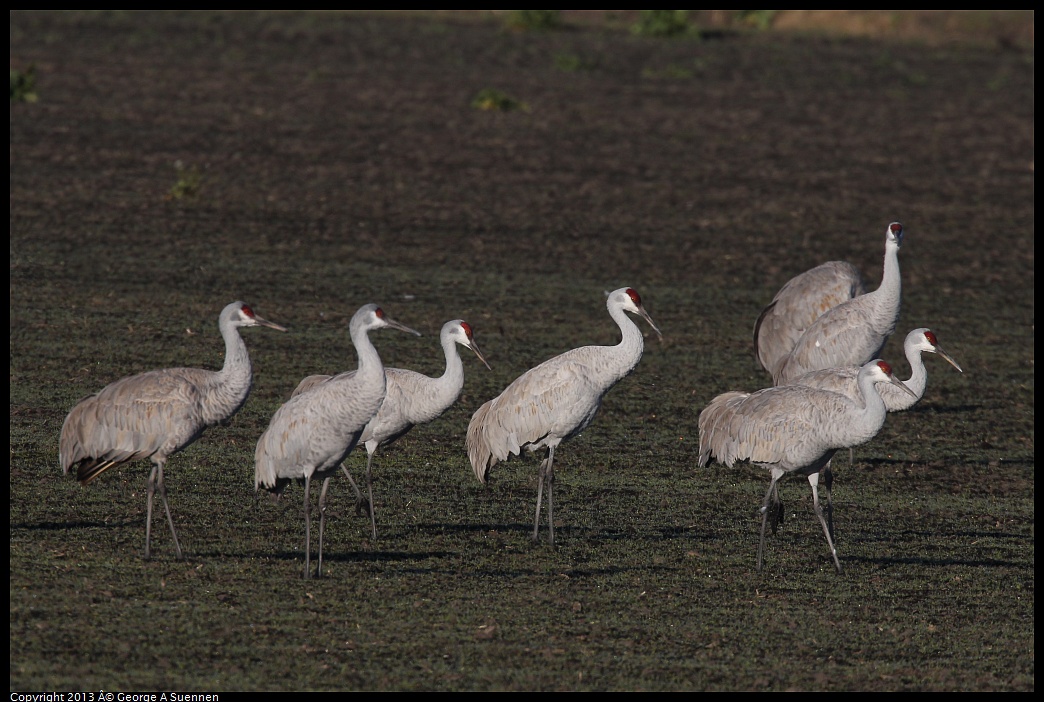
(308, 527)
(775, 510)
(369, 493)
(827, 477)
(358, 494)
(148, 509)
(813, 480)
(550, 500)
(540, 495)
(771, 495)
(162, 485)
(322, 524)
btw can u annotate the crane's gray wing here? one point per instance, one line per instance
(798, 304)
(786, 424)
(153, 413)
(843, 337)
(843, 380)
(410, 399)
(310, 383)
(311, 433)
(546, 404)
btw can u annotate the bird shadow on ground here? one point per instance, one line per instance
(337, 557)
(920, 561)
(65, 526)
(943, 409)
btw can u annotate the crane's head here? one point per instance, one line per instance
(894, 235)
(881, 372)
(924, 340)
(629, 300)
(371, 316)
(460, 332)
(241, 315)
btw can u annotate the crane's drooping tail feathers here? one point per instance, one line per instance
(479, 452)
(712, 440)
(79, 451)
(265, 475)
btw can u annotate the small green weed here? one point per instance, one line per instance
(662, 23)
(572, 62)
(760, 19)
(493, 99)
(23, 85)
(534, 20)
(189, 183)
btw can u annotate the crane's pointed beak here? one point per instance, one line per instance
(647, 318)
(948, 358)
(265, 323)
(474, 347)
(400, 326)
(895, 381)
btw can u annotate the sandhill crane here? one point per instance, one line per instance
(313, 432)
(801, 301)
(156, 414)
(411, 399)
(793, 429)
(853, 332)
(555, 401)
(845, 381)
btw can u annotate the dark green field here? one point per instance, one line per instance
(164, 165)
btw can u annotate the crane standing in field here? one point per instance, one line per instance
(852, 332)
(555, 401)
(793, 429)
(411, 399)
(156, 414)
(313, 432)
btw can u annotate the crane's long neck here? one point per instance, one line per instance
(452, 379)
(870, 418)
(919, 375)
(888, 295)
(433, 396)
(230, 386)
(894, 398)
(371, 369)
(628, 352)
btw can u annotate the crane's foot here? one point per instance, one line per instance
(362, 507)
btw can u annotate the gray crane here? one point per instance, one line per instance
(156, 414)
(555, 401)
(793, 429)
(313, 432)
(853, 332)
(411, 399)
(801, 301)
(845, 381)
